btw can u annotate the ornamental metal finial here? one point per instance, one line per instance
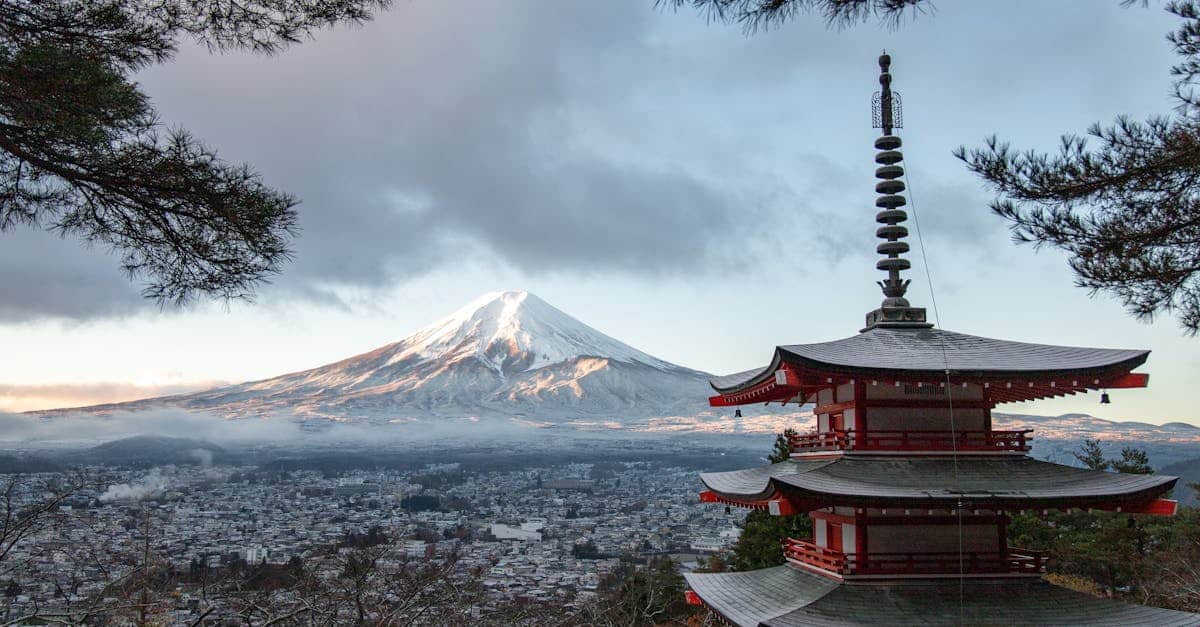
(895, 310)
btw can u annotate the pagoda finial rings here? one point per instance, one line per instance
(887, 142)
(889, 172)
(892, 248)
(888, 157)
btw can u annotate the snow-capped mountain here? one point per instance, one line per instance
(506, 354)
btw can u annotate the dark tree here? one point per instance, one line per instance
(82, 152)
(649, 595)
(1125, 207)
(586, 551)
(754, 15)
(1090, 455)
(1133, 461)
(761, 542)
(783, 449)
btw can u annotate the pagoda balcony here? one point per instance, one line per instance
(913, 441)
(1014, 562)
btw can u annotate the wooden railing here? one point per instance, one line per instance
(1015, 561)
(828, 440)
(965, 441)
(807, 552)
(949, 562)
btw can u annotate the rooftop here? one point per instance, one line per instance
(784, 596)
(1014, 482)
(906, 351)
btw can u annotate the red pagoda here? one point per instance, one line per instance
(909, 487)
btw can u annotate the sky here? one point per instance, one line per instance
(700, 194)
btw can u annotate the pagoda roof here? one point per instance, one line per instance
(924, 352)
(786, 596)
(1013, 482)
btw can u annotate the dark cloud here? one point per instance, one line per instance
(425, 138)
(42, 275)
(599, 137)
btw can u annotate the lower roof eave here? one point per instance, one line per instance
(1010, 483)
(784, 596)
(1122, 501)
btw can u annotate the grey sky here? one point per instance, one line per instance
(607, 156)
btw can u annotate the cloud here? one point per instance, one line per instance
(42, 274)
(430, 136)
(81, 429)
(90, 429)
(18, 398)
(593, 138)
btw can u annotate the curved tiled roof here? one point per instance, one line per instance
(913, 351)
(1010, 482)
(751, 597)
(785, 596)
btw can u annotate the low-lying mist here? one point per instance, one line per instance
(76, 429)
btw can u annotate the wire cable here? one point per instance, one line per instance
(937, 319)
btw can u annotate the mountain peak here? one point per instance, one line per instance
(515, 331)
(499, 305)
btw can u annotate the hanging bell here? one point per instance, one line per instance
(737, 413)
(1104, 398)
(727, 510)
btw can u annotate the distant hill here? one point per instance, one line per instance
(1055, 437)
(1188, 472)
(153, 450)
(21, 464)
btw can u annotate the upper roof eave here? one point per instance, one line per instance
(914, 353)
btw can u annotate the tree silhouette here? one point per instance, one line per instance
(82, 152)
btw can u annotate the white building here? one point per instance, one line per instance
(504, 532)
(416, 549)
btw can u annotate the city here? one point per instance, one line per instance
(532, 534)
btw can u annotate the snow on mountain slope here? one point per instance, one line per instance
(515, 331)
(507, 354)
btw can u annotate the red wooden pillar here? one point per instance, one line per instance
(860, 413)
(860, 532)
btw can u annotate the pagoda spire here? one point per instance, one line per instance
(895, 311)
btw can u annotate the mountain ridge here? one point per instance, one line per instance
(505, 354)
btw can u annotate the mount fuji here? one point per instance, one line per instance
(506, 354)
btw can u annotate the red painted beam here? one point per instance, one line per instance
(1130, 380)
(718, 401)
(1157, 507)
(778, 506)
(692, 598)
